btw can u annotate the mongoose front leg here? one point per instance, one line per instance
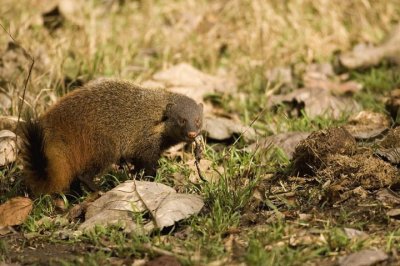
(148, 159)
(149, 165)
(88, 182)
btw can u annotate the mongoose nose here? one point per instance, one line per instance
(192, 134)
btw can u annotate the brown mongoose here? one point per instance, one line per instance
(99, 124)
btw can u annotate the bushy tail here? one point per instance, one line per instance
(33, 154)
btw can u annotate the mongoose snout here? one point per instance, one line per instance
(192, 134)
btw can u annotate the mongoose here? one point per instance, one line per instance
(104, 122)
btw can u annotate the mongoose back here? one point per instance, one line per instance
(101, 123)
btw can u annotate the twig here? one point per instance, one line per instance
(150, 248)
(197, 156)
(146, 247)
(250, 125)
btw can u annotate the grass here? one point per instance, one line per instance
(377, 82)
(242, 38)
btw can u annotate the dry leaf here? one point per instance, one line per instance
(367, 125)
(184, 78)
(388, 197)
(81, 208)
(4, 230)
(389, 147)
(319, 71)
(363, 258)
(208, 172)
(221, 128)
(15, 211)
(304, 238)
(13, 62)
(364, 56)
(316, 102)
(322, 76)
(118, 205)
(394, 213)
(392, 155)
(5, 102)
(285, 141)
(56, 14)
(165, 205)
(9, 122)
(282, 76)
(8, 148)
(306, 217)
(355, 234)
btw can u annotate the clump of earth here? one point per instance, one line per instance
(340, 164)
(313, 153)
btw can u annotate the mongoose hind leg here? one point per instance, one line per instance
(98, 164)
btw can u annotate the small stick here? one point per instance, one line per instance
(198, 141)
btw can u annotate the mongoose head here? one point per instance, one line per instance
(184, 119)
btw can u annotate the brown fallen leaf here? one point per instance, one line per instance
(184, 78)
(165, 205)
(221, 128)
(9, 123)
(81, 208)
(389, 147)
(285, 141)
(56, 14)
(15, 211)
(364, 56)
(388, 197)
(304, 238)
(367, 125)
(305, 217)
(5, 230)
(119, 205)
(315, 102)
(209, 173)
(322, 76)
(281, 76)
(392, 155)
(5, 102)
(394, 213)
(355, 234)
(363, 258)
(8, 147)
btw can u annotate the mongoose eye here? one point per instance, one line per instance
(182, 121)
(197, 121)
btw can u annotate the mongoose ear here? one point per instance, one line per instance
(169, 107)
(168, 110)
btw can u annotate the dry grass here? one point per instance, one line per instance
(140, 37)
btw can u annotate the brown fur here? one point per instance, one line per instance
(100, 124)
